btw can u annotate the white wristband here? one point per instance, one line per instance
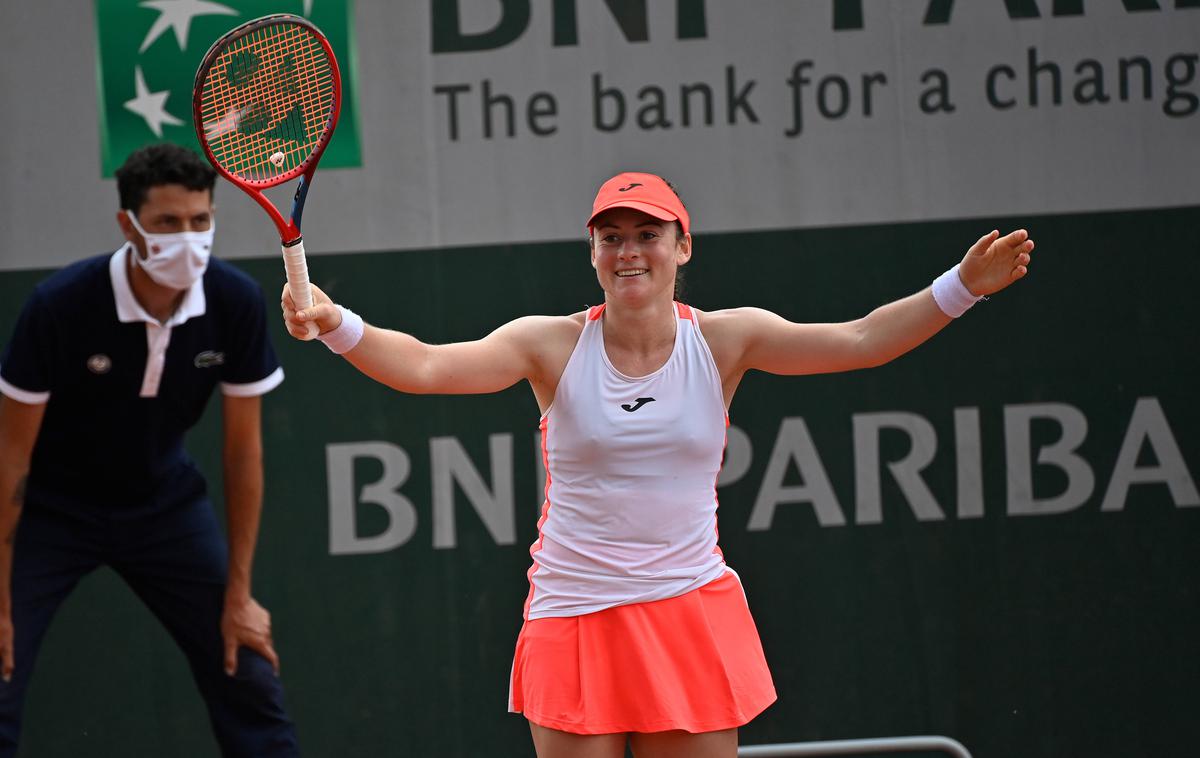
(348, 333)
(951, 295)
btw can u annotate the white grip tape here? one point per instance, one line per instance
(297, 278)
(951, 295)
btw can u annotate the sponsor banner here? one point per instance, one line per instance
(147, 53)
(784, 114)
(493, 121)
(487, 487)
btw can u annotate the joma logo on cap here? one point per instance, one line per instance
(628, 187)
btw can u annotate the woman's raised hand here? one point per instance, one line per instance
(994, 262)
(323, 312)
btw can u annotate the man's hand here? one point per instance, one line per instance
(994, 262)
(246, 623)
(6, 647)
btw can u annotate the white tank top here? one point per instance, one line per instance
(631, 471)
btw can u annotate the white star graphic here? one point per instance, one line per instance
(150, 105)
(178, 14)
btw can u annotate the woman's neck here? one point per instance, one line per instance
(639, 329)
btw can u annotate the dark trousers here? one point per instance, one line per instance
(176, 562)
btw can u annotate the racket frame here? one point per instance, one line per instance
(289, 228)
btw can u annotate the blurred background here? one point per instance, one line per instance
(993, 538)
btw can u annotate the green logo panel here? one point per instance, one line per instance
(147, 53)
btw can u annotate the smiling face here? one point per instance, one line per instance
(635, 255)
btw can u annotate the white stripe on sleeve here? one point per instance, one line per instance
(23, 396)
(261, 387)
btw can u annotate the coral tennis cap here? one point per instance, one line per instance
(642, 192)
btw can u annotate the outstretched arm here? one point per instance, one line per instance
(757, 339)
(520, 349)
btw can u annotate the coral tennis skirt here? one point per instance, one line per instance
(692, 662)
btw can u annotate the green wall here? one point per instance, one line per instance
(1069, 634)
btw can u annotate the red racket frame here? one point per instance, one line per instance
(295, 264)
(289, 229)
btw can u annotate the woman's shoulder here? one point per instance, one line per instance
(548, 341)
(727, 319)
(540, 330)
(729, 330)
(568, 323)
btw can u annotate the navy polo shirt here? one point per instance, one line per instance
(122, 389)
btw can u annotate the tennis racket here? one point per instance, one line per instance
(265, 105)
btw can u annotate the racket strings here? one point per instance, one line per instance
(276, 115)
(273, 114)
(266, 102)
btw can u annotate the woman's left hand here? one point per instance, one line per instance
(994, 262)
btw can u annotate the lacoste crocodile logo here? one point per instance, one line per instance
(637, 404)
(208, 359)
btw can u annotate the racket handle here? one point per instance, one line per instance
(297, 279)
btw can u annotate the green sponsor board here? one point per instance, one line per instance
(148, 52)
(1066, 630)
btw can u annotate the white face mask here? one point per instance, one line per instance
(175, 260)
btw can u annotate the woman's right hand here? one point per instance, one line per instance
(322, 312)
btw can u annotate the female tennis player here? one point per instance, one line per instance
(635, 628)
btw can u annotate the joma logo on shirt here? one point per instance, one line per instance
(637, 404)
(208, 359)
